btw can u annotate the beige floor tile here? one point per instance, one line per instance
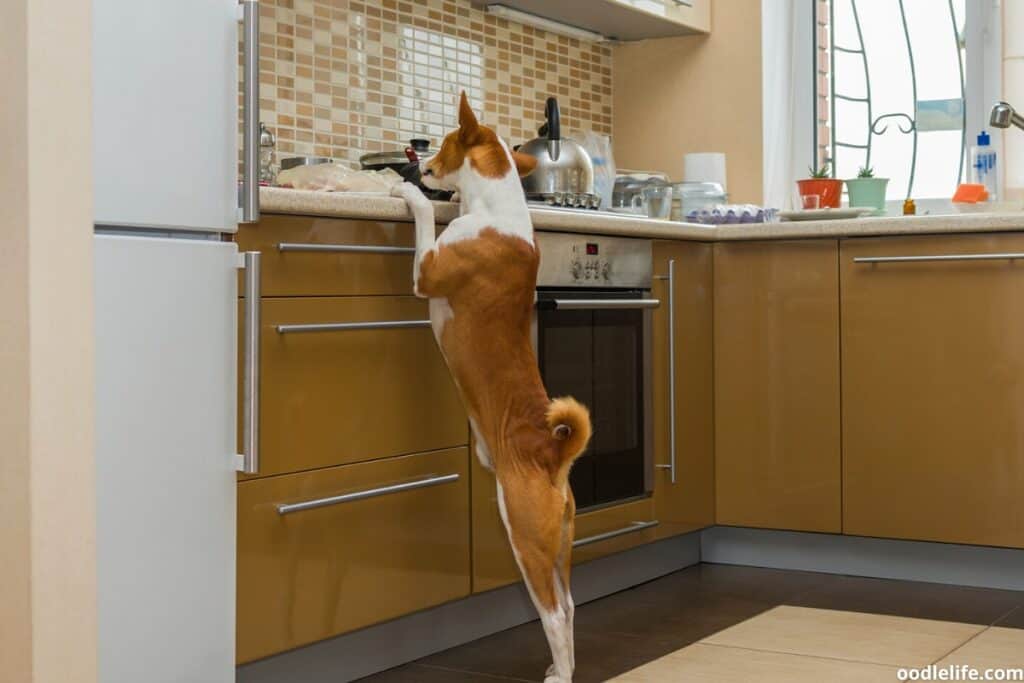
(713, 664)
(896, 641)
(995, 648)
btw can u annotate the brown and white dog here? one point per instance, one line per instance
(480, 275)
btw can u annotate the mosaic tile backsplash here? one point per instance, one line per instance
(340, 78)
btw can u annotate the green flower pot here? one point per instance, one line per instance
(868, 192)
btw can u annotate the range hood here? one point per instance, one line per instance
(617, 19)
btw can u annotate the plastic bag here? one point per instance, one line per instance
(599, 147)
(338, 178)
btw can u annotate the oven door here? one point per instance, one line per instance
(595, 345)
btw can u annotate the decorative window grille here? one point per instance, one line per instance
(890, 92)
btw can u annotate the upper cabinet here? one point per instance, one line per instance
(622, 19)
(165, 114)
(933, 388)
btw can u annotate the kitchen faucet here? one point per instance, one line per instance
(1003, 115)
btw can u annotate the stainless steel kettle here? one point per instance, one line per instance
(564, 175)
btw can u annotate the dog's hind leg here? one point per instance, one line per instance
(533, 515)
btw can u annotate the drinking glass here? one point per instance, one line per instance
(655, 201)
(810, 202)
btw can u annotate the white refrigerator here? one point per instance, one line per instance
(165, 92)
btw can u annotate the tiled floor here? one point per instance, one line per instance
(724, 623)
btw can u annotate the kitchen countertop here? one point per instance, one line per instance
(376, 207)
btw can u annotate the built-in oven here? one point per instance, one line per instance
(593, 340)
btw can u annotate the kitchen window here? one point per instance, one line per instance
(902, 86)
(897, 91)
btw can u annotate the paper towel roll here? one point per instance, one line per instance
(705, 167)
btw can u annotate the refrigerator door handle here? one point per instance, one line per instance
(250, 457)
(250, 192)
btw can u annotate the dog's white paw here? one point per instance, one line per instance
(551, 677)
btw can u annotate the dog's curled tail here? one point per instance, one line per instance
(569, 422)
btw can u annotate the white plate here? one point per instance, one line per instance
(825, 214)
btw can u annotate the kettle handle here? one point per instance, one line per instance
(552, 129)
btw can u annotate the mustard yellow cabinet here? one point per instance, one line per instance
(933, 388)
(683, 388)
(325, 552)
(347, 379)
(777, 414)
(314, 256)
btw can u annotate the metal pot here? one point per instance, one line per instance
(396, 160)
(294, 162)
(563, 167)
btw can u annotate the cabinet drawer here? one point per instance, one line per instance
(379, 540)
(339, 395)
(330, 256)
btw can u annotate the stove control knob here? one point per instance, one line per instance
(606, 270)
(577, 270)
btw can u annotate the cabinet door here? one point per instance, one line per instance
(165, 114)
(347, 391)
(329, 551)
(933, 390)
(777, 433)
(687, 503)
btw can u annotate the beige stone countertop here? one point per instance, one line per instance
(378, 207)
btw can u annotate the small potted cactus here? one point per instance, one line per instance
(867, 190)
(820, 182)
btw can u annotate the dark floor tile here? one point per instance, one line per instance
(745, 583)
(912, 599)
(415, 673)
(1014, 619)
(677, 620)
(522, 652)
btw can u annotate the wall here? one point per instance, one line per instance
(341, 78)
(47, 497)
(694, 94)
(1013, 92)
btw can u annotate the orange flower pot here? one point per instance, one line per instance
(829, 189)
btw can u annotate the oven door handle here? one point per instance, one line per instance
(596, 304)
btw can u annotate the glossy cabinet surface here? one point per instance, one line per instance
(777, 411)
(343, 396)
(316, 573)
(933, 391)
(325, 273)
(689, 503)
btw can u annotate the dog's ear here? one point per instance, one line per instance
(469, 127)
(524, 163)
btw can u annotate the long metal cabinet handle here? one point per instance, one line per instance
(251, 366)
(939, 257)
(348, 327)
(632, 528)
(345, 248)
(597, 304)
(432, 480)
(671, 465)
(251, 111)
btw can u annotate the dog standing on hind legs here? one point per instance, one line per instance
(480, 275)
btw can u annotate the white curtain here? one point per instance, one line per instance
(788, 75)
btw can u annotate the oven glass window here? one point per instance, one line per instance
(596, 356)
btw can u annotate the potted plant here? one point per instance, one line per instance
(828, 189)
(867, 190)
